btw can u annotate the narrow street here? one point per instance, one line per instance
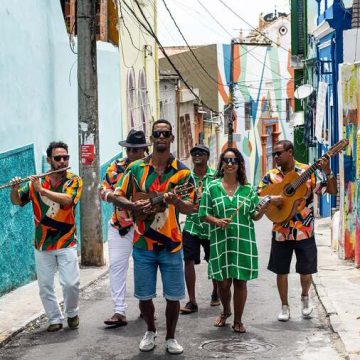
(266, 338)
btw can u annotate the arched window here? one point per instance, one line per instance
(131, 97)
(143, 102)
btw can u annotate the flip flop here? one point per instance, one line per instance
(220, 321)
(116, 320)
(238, 327)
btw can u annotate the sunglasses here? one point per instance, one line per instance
(278, 153)
(134, 150)
(198, 153)
(59, 157)
(231, 160)
(165, 133)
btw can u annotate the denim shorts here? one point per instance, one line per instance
(171, 267)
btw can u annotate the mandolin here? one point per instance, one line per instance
(293, 188)
(157, 200)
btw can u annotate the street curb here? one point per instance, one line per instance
(6, 338)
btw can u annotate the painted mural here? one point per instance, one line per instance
(349, 246)
(263, 97)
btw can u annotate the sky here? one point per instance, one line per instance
(209, 21)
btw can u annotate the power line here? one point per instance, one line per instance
(151, 32)
(213, 17)
(191, 50)
(188, 65)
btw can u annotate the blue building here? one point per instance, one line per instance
(327, 40)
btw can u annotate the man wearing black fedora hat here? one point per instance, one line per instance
(120, 231)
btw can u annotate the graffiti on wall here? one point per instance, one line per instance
(350, 221)
(263, 99)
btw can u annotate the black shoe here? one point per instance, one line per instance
(54, 327)
(189, 308)
(73, 322)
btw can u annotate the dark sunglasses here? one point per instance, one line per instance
(134, 150)
(199, 153)
(232, 160)
(59, 157)
(165, 133)
(278, 153)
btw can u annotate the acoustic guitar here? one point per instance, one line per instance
(157, 200)
(293, 188)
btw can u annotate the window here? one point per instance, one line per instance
(131, 97)
(143, 102)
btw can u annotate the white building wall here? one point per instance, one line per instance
(38, 84)
(351, 46)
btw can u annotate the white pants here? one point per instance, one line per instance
(66, 261)
(120, 248)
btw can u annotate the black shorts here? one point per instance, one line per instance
(191, 244)
(282, 251)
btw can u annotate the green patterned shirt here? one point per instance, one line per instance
(193, 225)
(233, 251)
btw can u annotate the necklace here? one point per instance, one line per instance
(230, 189)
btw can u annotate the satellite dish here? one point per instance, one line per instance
(303, 91)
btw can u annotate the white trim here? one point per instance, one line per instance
(322, 30)
(325, 44)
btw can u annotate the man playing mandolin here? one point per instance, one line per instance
(157, 237)
(297, 233)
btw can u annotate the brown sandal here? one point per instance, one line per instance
(238, 327)
(220, 321)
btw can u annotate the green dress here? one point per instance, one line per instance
(233, 251)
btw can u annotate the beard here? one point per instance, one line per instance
(161, 148)
(55, 166)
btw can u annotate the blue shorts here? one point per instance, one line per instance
(171, 267)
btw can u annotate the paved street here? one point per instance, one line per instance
(266, 338)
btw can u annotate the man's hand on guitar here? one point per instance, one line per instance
(142, 205)
(171, 198)
(276, 200)
(324, 164)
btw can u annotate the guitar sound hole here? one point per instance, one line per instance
(289, 190)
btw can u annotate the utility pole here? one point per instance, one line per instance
(230, 109)
(88, 122)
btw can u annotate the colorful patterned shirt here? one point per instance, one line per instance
(301, 226)
(54, 223)
(193, 225)
(163, 230)
(233, 250)
(120, 219)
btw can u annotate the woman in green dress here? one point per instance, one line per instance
(229, 206)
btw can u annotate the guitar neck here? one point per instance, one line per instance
(304, 176)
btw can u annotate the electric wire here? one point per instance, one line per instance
(190, 49)
(151, 32)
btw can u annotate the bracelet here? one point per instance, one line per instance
(106, 195)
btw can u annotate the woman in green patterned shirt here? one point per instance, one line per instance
(229, 206)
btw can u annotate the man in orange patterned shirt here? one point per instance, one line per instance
(54, 199)
(298, 233)
(157, 239)
(121, 229)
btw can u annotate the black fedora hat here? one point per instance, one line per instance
(135, 139)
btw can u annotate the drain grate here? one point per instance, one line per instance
(236, 346)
